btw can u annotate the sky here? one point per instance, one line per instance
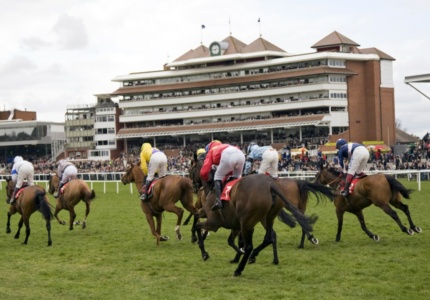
(58, 54)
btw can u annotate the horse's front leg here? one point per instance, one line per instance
(360, 218)
(179, 212)
(57, 210)
(8, 223)
(200, 236)
(48, 228)
(339, 214)
(230, 241)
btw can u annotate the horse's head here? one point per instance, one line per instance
(128, 176)
(53, 182)
(10, 186)
(328, 176)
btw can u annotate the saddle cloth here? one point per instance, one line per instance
(352, 185)
(150, 188)
(225, 195)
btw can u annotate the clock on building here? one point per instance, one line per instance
(215, 49)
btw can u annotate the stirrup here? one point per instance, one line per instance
(216, 206)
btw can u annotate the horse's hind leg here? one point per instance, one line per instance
(339, 214)
(403, 207)
(360, 218)
(269, 238)
(27, 229)
(72, 217)
(392, 213)
(247, 238)
(21, 221)
(87, 212)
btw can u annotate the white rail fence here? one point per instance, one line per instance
(115, 177)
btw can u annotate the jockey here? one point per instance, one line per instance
(267, 155)
(66, 171)
(357, 155)
(228, 158)
(21, 170)
(152, 161)
(200, 152)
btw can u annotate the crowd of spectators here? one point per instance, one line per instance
(416, 158)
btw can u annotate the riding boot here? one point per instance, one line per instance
(218, 189)
(57, 192)
(144, 195)
(348, 180)
(12, 198)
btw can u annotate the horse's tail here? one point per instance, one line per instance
(43, 205)
(305, 222)
(320, 191)
(286, 218)
(396, 186)
(89, 195)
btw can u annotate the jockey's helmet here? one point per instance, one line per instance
(200, 151)
(17, 159)
(211, 144)
(340, 143)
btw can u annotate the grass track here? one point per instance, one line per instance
(115, 257)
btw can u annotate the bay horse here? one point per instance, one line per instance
(298, 191)
(73, 192)
(166, 192)
(255, 199)
(378, 189)
(30, 199)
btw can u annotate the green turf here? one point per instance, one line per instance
(116, 257)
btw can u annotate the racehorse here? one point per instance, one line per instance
(29, 200)
(378, 189)
(194, 174)
(298, 193)
(73, 192)
(166, 192)
(253, 199)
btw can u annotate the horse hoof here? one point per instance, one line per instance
(276, 262)
(8, 230)
(410, 231)
(237, 273)
(252, 260)
(49, 243)
(179, 237)
(193, 240)
(375, 238)
(205, 256)
(315, 241)
(84, 225)
(164, 238)
(63, 222)
(417, 229)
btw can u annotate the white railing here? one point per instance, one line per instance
(115, 177)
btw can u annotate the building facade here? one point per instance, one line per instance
(91, 130)
(238, 92)
(21, 134)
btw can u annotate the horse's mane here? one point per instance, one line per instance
(334, 171)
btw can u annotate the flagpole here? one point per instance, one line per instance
(201, 33)
(259, 26)
(229, 24)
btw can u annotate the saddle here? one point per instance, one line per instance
(150, 188)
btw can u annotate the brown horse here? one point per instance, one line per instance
(166, 192)
(298, 193)
(378, 189)
(73, 192)
(30, 199)
(254, 199)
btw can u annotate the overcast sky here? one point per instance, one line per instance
(60, 53)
